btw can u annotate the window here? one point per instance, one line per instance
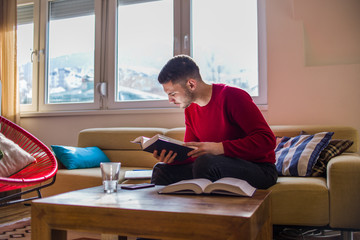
(93, 54)
(69, 66)
(63, 54)
(144, 42)
(25, 52)
(71, 49)
(226, 46)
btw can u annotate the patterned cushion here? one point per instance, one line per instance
(296, 156)
(335, 148)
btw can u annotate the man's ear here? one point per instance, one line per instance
(191, 84)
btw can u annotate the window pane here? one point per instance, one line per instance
(25, 43)
(225, 42)
(70, 71)
(144, 44)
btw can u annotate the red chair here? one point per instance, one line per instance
(33, 175)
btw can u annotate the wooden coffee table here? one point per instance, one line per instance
(145, 213)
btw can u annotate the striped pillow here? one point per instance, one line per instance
(296, 156)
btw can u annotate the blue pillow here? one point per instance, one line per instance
(296, 156)
(76, 157)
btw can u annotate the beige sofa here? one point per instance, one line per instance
(303, 201)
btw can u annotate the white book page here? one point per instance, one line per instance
(168, 139)
(197, 185)
(142, 140)
(233, 185)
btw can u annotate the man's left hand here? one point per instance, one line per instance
(202, 148)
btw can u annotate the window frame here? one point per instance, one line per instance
(262, 99)
(35, 59)
(136, 104)
(43, 46)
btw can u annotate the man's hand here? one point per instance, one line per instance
(202, 148)
(168, 158)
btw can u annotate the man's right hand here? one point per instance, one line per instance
(168, 158)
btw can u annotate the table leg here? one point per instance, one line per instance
(265, 232)
(39, 228)
(58, 234)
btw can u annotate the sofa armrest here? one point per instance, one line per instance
(343, 180)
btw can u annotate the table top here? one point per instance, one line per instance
(148, 199)
(145, 213)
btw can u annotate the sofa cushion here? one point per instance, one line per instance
(296, 156)
(76, 157)
(300, 201)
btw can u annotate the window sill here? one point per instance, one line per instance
(111, 112)
(100, 112)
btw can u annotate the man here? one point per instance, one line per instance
(230, 136)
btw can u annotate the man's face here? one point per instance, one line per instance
(178, 94)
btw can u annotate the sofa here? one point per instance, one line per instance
(332, 201)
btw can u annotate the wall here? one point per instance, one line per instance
(313, 74)
(314, 62)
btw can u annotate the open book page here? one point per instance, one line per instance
(230, 186)
(146, 142)
(168, 139)
(142, 140)
(191, 186)
(224, 186)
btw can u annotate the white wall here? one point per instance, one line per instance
(313, 74)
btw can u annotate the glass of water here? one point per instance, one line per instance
(110, 172)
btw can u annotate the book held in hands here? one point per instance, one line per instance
(160, 142)
(224, 186)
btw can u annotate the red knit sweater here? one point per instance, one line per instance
(231, 117)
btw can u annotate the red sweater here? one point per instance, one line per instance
(231, 117)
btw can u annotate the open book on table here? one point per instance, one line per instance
(225, 186)
(160, 142)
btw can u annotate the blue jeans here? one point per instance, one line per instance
(214, 167)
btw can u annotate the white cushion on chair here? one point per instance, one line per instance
(14, 157)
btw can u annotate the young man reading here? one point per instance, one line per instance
(228, 132)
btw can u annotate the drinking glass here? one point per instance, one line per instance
(110, 172)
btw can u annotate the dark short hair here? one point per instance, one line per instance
(178, 70)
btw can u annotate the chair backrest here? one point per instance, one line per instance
(43, 169)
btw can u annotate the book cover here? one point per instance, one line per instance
(224, 186)
(160, 142)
